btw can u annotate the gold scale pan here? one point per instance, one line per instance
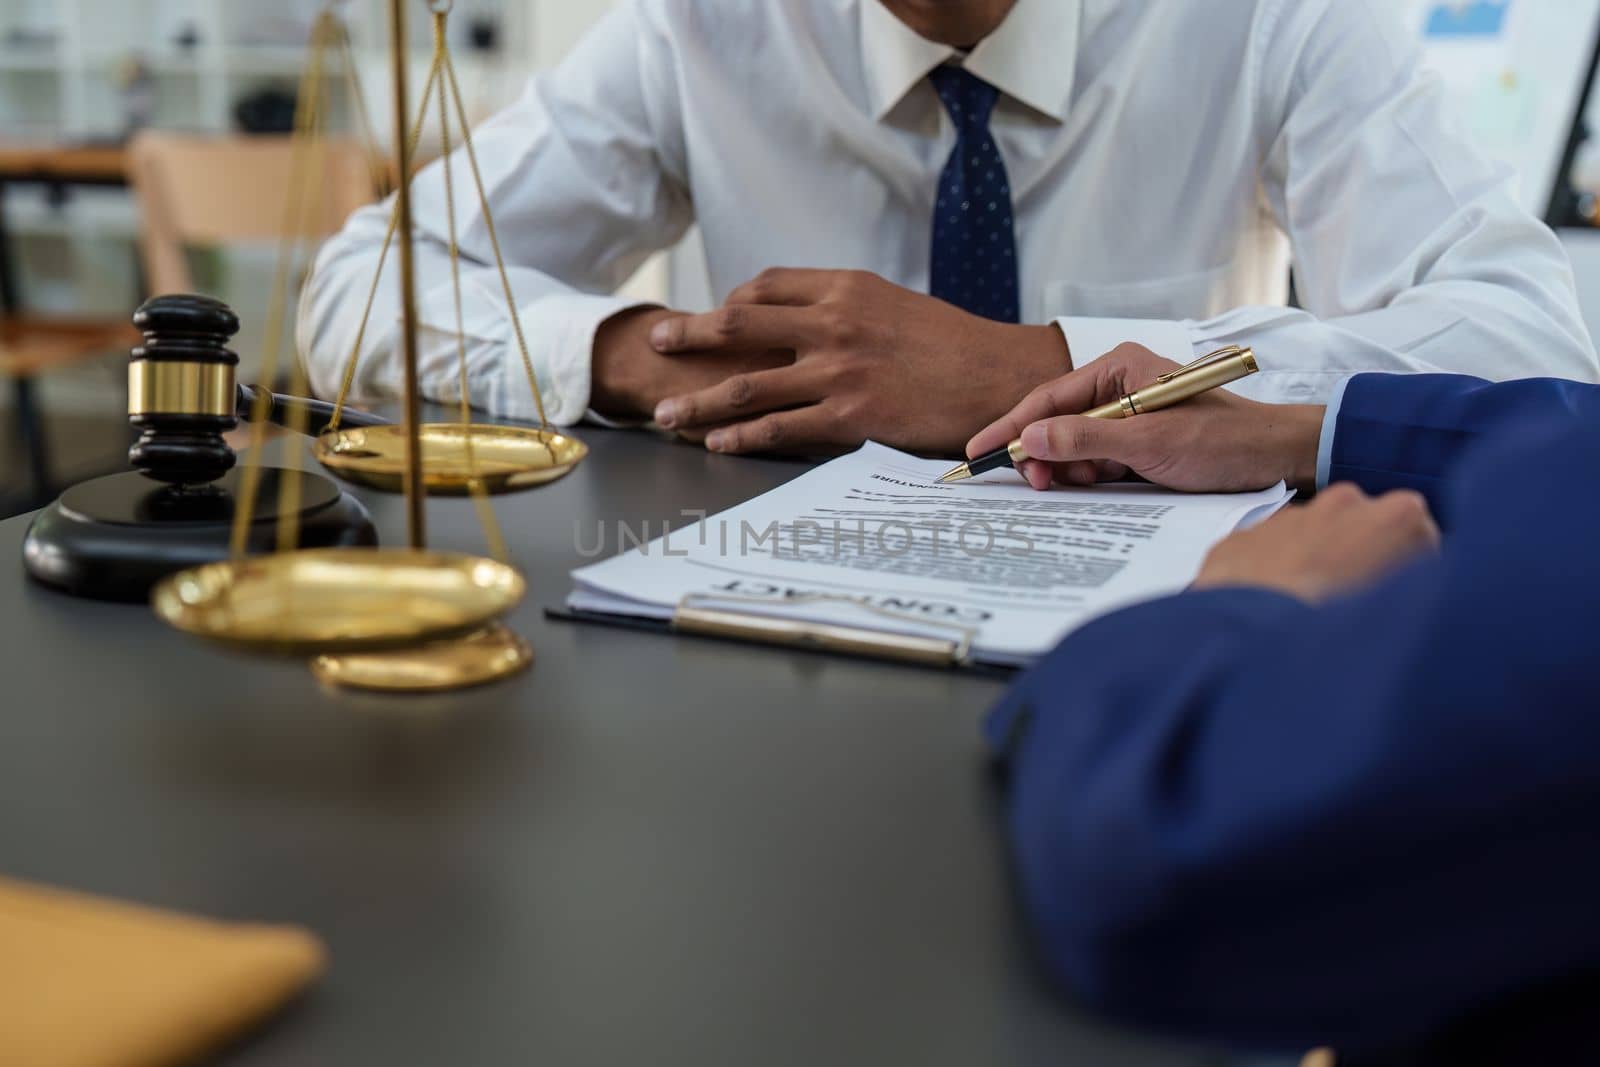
(387, 619)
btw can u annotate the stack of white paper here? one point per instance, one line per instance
(871, 540)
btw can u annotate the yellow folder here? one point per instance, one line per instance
(86, 982)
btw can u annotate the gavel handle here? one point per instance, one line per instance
(283, 409)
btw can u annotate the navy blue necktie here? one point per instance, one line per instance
(974, 263)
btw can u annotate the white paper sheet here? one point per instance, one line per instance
(872, 540)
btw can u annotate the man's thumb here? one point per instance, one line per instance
(1066, 438)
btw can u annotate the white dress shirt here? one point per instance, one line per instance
(1166, 158)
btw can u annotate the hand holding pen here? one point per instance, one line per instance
(1133, 413)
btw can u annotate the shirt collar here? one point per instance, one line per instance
(1032, 56)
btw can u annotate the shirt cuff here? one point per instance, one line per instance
(566, 325)
(1088, 339)
(1330, 424)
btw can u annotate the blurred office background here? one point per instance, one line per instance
(79, 77)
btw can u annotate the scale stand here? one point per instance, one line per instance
(238, 566)
(114, 538)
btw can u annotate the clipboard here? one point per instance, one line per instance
(704, 617)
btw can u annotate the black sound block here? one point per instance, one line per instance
(114, 538)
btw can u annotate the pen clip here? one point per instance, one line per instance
(1204, 361)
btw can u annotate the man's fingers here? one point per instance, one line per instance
(1404, 514)
(1069, 438)
(740, 397)
(736, 326)
(1082, 472)
(1007, 428)
(1109, 470)
(1091, 472)
(792, 286)
(800, 430)
(1383, 531)
(1340, 496)
(1041, 475)
(1069, 394)
(1037, 473)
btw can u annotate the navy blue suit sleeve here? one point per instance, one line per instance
(1410, 431)
(1235, 815)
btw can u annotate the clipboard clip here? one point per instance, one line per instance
(708, 615)
(1206, 360)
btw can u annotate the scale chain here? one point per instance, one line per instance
(443, 68)
(305, 125)
(480, 497)
(330, 36)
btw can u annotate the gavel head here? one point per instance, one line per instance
(181, 389)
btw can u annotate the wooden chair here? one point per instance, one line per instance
(196, 190)
(32, 346)
(216, 191)
(190, 190)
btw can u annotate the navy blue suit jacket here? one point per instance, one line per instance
(1236, 815)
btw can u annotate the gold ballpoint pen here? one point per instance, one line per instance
(1209, 372)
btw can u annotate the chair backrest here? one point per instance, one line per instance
(199, 190)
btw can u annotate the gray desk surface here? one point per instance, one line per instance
(646, 851)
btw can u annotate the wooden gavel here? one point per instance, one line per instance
(182, 393)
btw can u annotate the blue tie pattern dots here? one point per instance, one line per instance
(974, 262)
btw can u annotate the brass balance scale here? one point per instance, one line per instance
(391, 619)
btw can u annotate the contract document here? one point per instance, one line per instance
(872, 543)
